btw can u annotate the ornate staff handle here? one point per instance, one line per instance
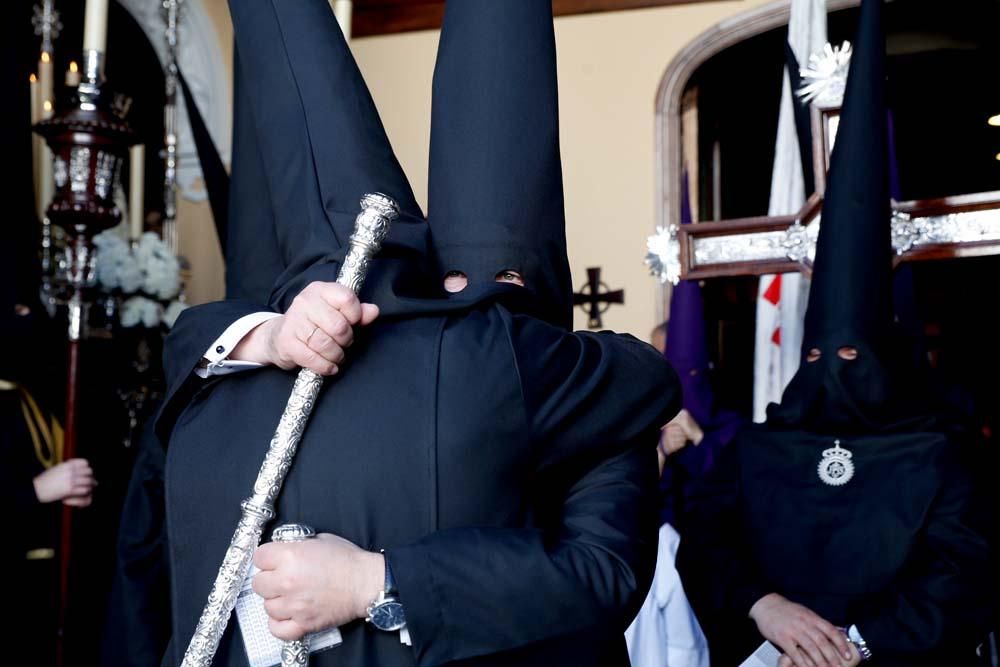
(370, 229)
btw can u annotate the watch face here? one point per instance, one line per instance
(388, 616)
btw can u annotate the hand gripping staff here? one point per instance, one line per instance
(370, 229)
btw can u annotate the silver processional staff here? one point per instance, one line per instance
(370, 229)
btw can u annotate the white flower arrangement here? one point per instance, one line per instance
(140, 310)
(172, 312)
(149, 274)
(117, 268)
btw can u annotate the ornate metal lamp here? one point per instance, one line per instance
(89, 143)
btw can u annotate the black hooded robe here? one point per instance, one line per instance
(891, 539)
(509, 484)
(896, 551)
(32, 531)
(440, 442)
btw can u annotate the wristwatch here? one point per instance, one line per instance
(854, 636)
(386, 611)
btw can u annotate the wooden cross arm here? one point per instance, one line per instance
(946, 228)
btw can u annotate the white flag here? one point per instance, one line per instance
(781, 299)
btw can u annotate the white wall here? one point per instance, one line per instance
(610, 65)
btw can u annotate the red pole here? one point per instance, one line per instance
(66, 527)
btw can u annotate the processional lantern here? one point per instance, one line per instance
(89, 142)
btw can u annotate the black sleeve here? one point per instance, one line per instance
(942, 599)
(194, 331)
(717, 569)
(293, 281)
(589, 393)
(139, 602)
(475, 591)
(18, 482)
(18, 469)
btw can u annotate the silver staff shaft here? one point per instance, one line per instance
(370, 229)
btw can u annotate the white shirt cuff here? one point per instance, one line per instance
(216, 358)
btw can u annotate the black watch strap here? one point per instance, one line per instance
(390, 581)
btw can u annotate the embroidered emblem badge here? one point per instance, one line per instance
(836, 468)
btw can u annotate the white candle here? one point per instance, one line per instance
(46, 78)
(36, 99)
(95, 26)
(342, 9)
(137, 158)
(73, 75)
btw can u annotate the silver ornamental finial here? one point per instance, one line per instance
(47, 24)
(664, 255)
(374, 229)
(824, 80)
(370, 228)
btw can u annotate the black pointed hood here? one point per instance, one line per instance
(319, 136)
(350, 148)
(495, 190)
(851, 289)
(253, 258)
(850, 299)
(320, 147)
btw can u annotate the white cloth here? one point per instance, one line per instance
(781, 310)
(217, 355)
(666, 633)
(781, 300)
(766, 655)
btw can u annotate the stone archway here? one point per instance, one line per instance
(716, 39)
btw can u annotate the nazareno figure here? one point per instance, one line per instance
(505, 465)
(846, 524)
